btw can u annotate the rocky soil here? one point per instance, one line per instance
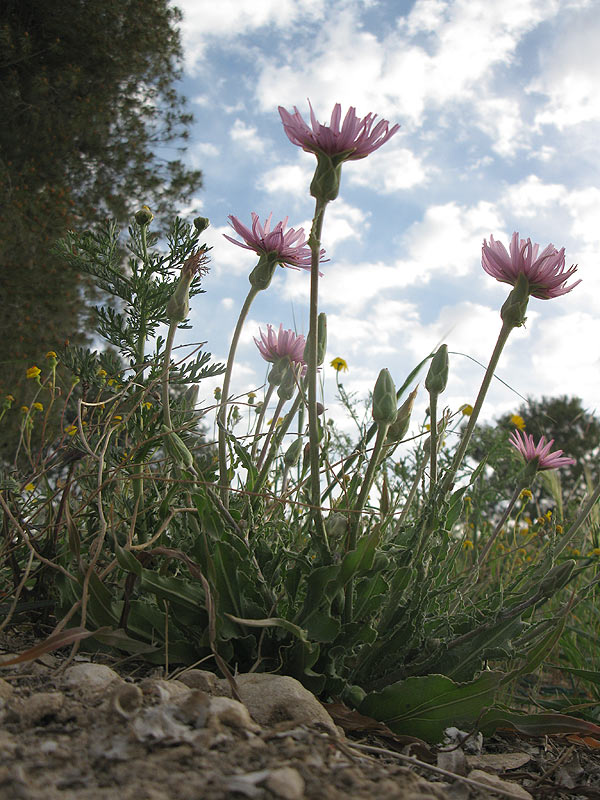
(94, 732)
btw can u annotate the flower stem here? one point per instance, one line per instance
(314, 241)
(485, 385)
(583, 514)
(272, 427)
(165, 373)
(261, 417)
(498, 528)
(222, 414)
(382, 430)
(433, 436)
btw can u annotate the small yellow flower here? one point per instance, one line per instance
(112, 382)
(500, 547)
(467, 410)
(117, 418)
(521, 551)
(524, 531)
(29, 487)
(339, 364)
(217, 393)
(251, 398)
(25, 409)
(594, 552)
(518, 421)
(525, 495)
(102, 373)
(51, 354)
(278, 423)
(559, 529)
(38, 406)
(468, 544)
(33, 372)
(548, 515)
(575, 551)
(147, 405)
(71, 430)
(541, 520)
(10, 398)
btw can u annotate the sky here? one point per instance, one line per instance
(500, 123)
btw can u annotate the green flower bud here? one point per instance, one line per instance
(292, 454)
(399, 426)
(278, 371)
(437, 377)
(144, 216)
(201, 224)
(557, 578)
(321, 340)
(515, 306)
(287, 387)
(176, 448)
(384, 399)
(178, 306)
(325, 184)
(336, 526)
(262, 274)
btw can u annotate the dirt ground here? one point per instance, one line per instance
(144, 741)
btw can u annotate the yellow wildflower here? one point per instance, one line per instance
(559, 529)
(575, 551)
(112, 382)
(525, 495)
(217, 393)
(102, 373)
(518, 421)
(468, 544)
(147, 405)
(29, 487)
(339, 364)
(548, 515)
(33, 372)
(71, 430)
(594, 552)
(521, 551)
(467, 410)
(38, 406)
(51, 354)
(251, 398)
(25, 409)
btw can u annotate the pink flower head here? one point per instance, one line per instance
(546, 273)
(355, 139)
(285, 344)
(290, 246)
(524, 444)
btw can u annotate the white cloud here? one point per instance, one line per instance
(531, 195)
(389, 170)
(448, 238)
(204, 20)
(288, 178)
(247, 136)
(569, 68)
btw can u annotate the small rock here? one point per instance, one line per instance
(8, 745)
(498, 761)
(276, 698)
(37, 707)
(230, 712)
(126, 699)
(494, 782)
(194, 708)
(90, 679)
(163, 690)
(200, 679)
(287, 783)
(6, 689)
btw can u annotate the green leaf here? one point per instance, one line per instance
(271, 622)
(426, 706)
(536, 724)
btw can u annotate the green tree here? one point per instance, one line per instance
(90, 107)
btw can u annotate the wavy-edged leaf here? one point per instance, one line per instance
(425, 706)
(271, 622)
(536, 724)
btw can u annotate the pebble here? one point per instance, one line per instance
(494, 782)
(90, 679)
(230, 712)
(287, 783)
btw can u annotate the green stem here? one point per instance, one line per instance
(583, 514)
(165, 373)
(433, 441)
(272, 427)
(485, 385)
(499, 526)
(314, 240)
(411, 494)
(382, 430)
(222, 414)
(261, 417)
(277, 439)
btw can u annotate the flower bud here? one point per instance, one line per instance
(399, 426)
(201, 224)
(325, 184)
(437, 377)
(144, 216)
(262, 274)
(176, 448)
(178, 306)
(515, 306)
(321, 340)
(292, 454)
(557, 578)
(384, 399)
(287, 387)
(278, 371)
(336, 526)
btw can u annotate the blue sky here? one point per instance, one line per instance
(500, 112)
